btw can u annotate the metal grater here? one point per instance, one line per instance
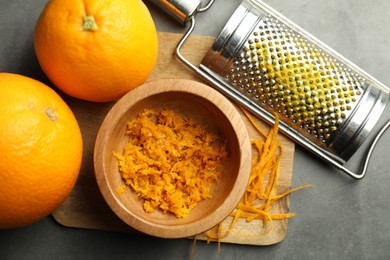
(273, 67)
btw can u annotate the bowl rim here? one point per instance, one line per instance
(156, 87)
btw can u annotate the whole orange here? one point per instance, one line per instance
(40, 147)
(96, 50)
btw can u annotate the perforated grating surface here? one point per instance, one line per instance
(291, 76)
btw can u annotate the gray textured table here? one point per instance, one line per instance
(337, 219)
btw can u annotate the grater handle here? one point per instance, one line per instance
(182, 10)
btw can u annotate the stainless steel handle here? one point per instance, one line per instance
(180, 10)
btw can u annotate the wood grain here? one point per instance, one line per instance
(86, 208)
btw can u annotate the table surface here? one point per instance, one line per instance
(339, 218)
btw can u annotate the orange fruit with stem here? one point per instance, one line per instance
(41, 150)
(96, 50)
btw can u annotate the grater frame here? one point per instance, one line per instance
(218, 82)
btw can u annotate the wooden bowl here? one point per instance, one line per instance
(203, 104)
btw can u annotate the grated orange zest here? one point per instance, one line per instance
(260, 195)
(172, 162)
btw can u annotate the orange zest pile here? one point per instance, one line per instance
(171, 161)
(261, 193)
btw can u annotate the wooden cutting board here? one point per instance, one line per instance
(86, 208)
